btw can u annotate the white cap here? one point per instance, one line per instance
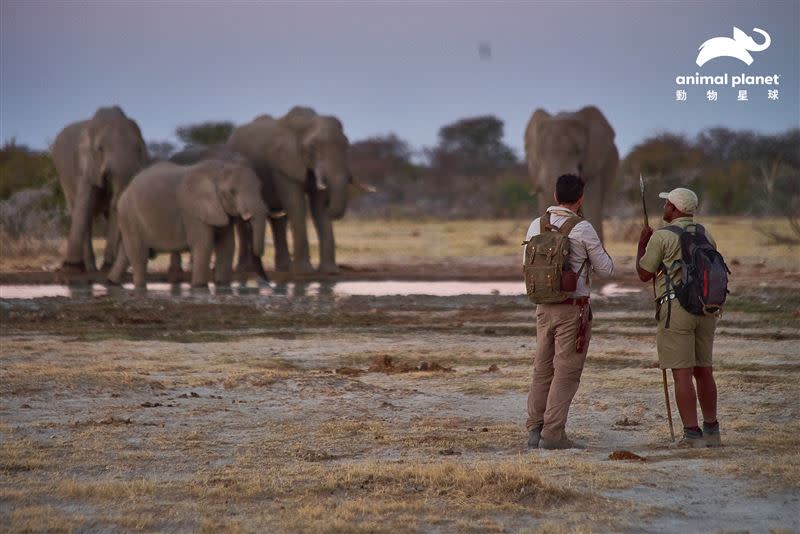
(682, 198)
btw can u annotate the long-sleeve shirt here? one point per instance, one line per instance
(584, 244)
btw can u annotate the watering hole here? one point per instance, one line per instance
(361, 288)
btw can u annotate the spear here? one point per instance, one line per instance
(663, 371)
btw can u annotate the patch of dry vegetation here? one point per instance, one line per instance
(154, 433)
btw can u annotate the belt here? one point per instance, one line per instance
(665, 298)
(579, 301)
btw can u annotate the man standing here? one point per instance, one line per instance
(684, 340)
(563, 330)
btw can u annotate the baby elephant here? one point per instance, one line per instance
(172, 208)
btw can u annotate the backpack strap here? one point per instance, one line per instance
(675, 229)
(544, 222)
(569, 224)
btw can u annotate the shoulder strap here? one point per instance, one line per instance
(544, 222)
(568, 225)
(674, 229)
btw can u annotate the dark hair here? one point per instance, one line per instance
(569, 188)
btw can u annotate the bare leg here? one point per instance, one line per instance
(685, 396)
(706, 392)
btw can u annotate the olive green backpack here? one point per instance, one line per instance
(545, 255)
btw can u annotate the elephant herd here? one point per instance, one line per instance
(270, 170)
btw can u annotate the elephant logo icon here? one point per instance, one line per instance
(739, 47)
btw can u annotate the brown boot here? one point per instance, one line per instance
(534, 435)
(692, 439)
(711, 434)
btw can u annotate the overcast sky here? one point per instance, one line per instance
(407, 68)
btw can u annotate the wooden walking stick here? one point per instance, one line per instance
(666, 400)
(663, 371)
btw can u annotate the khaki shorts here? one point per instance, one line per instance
(689, 340)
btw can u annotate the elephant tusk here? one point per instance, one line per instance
(277, 214)
(364, 187)
(321, 185)
(247, 216)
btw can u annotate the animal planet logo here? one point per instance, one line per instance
(738, 47)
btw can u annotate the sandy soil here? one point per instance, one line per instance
(394, 413)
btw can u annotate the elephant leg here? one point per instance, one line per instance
(244, 263)
(137, 254)
(324, 227)
(283, 262)
(121, 263)
(201, 243)
(295, 206)
(224, 248)
(112, 240)
(80, 224)
(175, 272)
(88, 251)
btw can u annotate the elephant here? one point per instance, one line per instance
(302, 154)
(96, 160)
(247, 261)
(168, 207)
(580, 143)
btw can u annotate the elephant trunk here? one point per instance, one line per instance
(337, 198)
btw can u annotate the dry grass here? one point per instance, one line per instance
(109, 425)
(400, 241)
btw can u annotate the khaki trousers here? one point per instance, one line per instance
(557, 368)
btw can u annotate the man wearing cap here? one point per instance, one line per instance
(563, 330)
(684, 341)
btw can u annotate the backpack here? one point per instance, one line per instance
(545, 255)
(703, 286)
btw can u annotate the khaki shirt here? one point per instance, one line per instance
(665, 247)
(584, 245)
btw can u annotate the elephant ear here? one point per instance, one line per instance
(88, 158)
(198, 198)
(599, 140)
(532, 131)
(532, 134)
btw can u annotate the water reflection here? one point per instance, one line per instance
(292, 289)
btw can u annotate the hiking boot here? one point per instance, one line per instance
(556, 444)
(711, 434)
(533, 437)
(692, 439)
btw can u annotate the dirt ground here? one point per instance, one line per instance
(337, 413)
